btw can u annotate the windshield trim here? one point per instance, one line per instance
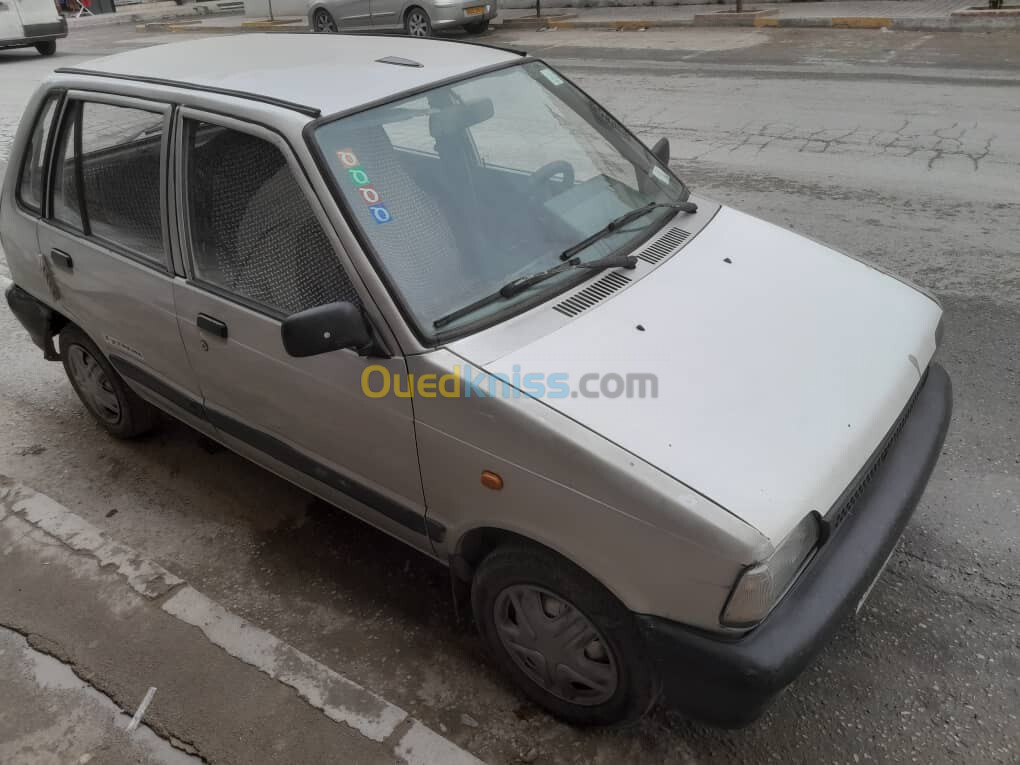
(437, 339)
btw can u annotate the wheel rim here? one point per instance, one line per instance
(93, 385)
(555, 645)
(324, 22)
(417, 24)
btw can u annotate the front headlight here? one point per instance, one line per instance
(761, 586)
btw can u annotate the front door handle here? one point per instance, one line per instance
(62, 259)
(212, 326)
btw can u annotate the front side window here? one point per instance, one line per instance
(108, 181)
(471, 185)
(253, 233)
(33, 171)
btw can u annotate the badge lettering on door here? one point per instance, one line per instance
(368, 193)
(114, 342)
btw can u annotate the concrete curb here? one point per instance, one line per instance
(337, 697)
(915, 24)
(127, 17)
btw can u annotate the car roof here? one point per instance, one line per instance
(328, 73)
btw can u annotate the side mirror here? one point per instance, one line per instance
(325, 328)
(661, 150)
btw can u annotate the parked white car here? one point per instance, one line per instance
(660, 444)
(31, 23)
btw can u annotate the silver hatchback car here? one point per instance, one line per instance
(418, 18)
(662, 446)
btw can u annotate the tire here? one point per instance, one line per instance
(519, 585)
(47, 47)
(323, 22)
(417, 23)
(477, 27)
(103, 392)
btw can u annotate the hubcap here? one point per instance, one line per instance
(93, 384)
(417, 25)
(324, 22)
(555, 645)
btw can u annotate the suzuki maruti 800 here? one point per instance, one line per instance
(663, 446)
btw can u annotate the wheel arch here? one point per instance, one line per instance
(476, 543)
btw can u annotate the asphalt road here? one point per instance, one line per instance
(901, 147)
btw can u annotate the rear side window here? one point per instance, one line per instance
(108, 180)
(253, 232)
(33, 168)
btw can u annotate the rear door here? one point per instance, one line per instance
(34, 12)
(10, 22)
(104, 241)
(258, 248)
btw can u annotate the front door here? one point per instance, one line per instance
(104, 247)
(259, 248)
(354, 14)
(386, 13)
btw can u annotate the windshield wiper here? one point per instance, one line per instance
(521, 283)
(623, 220)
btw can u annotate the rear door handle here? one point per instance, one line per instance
(212, 326)
(62, 259)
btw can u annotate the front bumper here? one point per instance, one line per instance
(455, 14)
(730, 682)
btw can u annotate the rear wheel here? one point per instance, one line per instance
(46, 48)
(103, 392)
(477, 27)
(570, 645)
(417, 23)
(323, 23)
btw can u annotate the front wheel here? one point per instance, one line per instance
(323, 23)
(47, 47)
(570, 645)
(417, 23)
(477, 27)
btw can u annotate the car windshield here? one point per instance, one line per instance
(466, 187)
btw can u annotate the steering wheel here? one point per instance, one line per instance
(540, 178)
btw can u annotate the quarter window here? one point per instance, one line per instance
(108, 180)
(33, 172)
(253, 232)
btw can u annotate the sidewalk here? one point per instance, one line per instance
(949, 15)
(90, 627)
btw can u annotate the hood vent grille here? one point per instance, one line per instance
(592, 294)
(664, 245)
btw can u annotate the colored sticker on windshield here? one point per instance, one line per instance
(660, 175)
(367, 192)
(551, 76)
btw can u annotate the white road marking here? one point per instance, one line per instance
(339, 698)
(423, 746)
(146, 700)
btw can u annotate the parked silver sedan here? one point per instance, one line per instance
(416, 17)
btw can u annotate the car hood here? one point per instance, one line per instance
(780, 366)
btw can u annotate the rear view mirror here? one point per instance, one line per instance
(661, 150)
(456, 117)
(325, 328)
